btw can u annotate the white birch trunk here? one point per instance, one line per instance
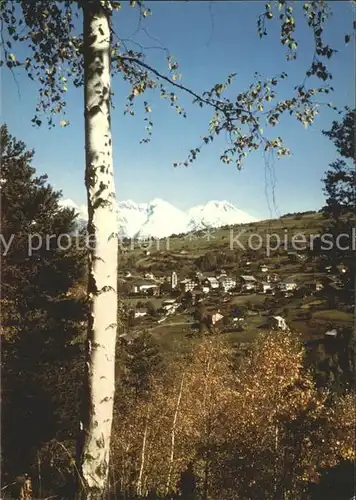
(143, 455)
(102, 265)
(173, 436)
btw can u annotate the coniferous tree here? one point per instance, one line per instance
(340, 191)
(40, 320)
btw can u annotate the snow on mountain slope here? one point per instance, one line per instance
(217, 214)
(159, 219)
(163, 219)
(81, 210)
(131, 217)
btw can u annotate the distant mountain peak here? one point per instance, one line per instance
(159, 218)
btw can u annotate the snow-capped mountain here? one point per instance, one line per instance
(216, 214)
(163, 219)
(81, 210)
(159, 219)
(131, 217)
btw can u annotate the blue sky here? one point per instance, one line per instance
(209, 40)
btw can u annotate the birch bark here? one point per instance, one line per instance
(102, 265)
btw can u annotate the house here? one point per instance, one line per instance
(317, 286)
(140, 312)
(263, 268)
(277, 323)
(168, 304)
(288, 285)
(187, 285)
(144, 286)
(211, 282)
(205, 289)
(264, 287)
(248, 282)
(215, 318)
(226, 283)
(127, 337)
(331, 333)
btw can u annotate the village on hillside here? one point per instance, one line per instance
(288, 291)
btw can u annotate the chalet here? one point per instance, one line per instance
(248, 282)
(277, 323)
(144, 286)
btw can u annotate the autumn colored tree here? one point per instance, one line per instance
(259, 430)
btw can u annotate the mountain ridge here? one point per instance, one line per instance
(159, 218)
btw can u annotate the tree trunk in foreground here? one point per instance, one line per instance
(173, 436)
(102, 265)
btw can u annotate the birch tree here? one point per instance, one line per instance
(59, 51)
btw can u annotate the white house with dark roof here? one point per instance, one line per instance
(248, 282)
(144, 286)
(278, 322)
(211, 282)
